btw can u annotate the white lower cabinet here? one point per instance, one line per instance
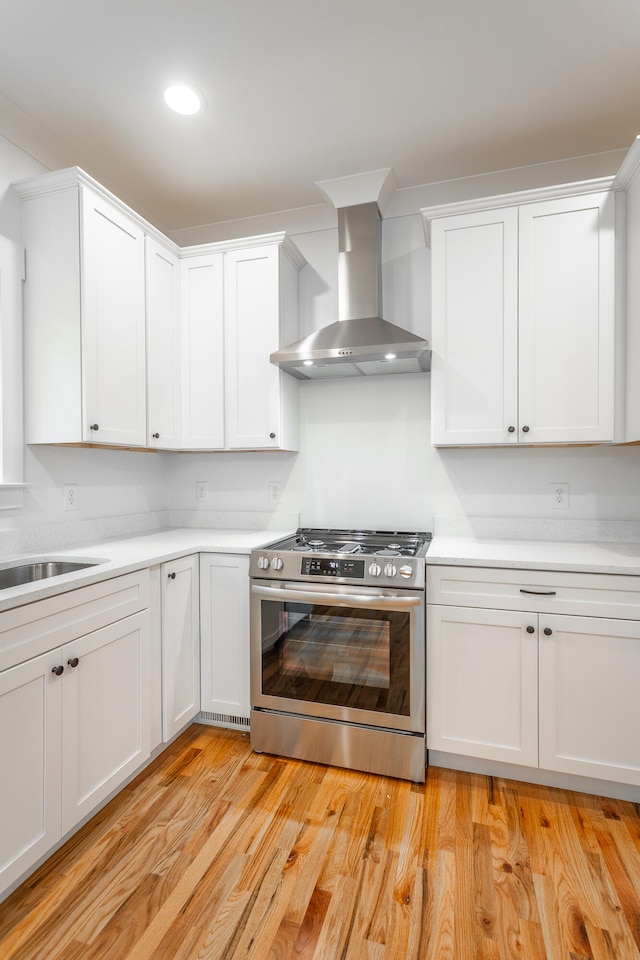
(589, 703)
(224, 619)
(105, 713)
(180, 644)
(511, 680)
(74, 720)
(31, 764)
(483, 686)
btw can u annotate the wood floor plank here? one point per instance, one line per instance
(217, 853)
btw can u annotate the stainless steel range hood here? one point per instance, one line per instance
(360, 342)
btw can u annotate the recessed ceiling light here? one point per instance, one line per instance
(390, 356)
(183, 99)
(308, 363)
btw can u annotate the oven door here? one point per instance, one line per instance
(339, 652)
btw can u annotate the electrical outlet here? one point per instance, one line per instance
(560, 496)
(70, 496)
(202, 491)
(275, 491)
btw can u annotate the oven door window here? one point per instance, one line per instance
(336, 655)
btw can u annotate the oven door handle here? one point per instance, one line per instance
(337, 599)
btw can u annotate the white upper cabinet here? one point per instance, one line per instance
(132, 341)
(524, 322)
(84, 322)
(239, 304)
(202, 352)
(474, 327)
(11, 431)
(112, 327)
(261, 309)
(163, 346)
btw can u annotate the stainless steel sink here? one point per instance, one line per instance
(40, 570)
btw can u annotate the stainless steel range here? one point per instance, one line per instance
(338, 649)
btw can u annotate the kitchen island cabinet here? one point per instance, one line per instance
(525, 323)
(535, 668)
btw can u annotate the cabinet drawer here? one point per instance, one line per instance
(586, 594)
(34, 628)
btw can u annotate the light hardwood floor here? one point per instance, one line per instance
(217, 852)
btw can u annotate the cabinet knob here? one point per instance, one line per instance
(156, 436)
(59, 670)
(94, 426)
(511, 429)
(531, 629)
(73, 661)
(525, 429)
(172, 576)
(548, 631)
(272, 435)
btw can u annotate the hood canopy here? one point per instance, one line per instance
(360, 342)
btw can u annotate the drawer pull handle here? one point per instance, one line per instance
(73, 661)
(171, 576)
(539, 593)
(547, 631)
(59, 670)
(531, 629)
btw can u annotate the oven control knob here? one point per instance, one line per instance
(389, 570)
(263, 563)
(277, 563)
(374, 569)
(406, 571)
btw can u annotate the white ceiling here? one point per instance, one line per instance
(304, 90)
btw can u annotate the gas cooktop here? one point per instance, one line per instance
(383, 543)
(328, 555)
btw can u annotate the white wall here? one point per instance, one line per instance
(365, 459)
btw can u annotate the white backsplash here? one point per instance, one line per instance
(49, 537)
(567, 531)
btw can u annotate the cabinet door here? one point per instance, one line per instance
(12, 264)
(180, 644)
(589, 704)
(163, 346)
(105, 713)
(482, 684)
(252, 304)
(30, 710)
(202, 353)
(567, 319)
(113, 325)
(474, 267)
(224, 617)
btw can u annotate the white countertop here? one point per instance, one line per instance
(129, 554)
(620, 557)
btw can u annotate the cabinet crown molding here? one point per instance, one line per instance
(278, 238)
(516, 199)
(629, 168)
(71, 177)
